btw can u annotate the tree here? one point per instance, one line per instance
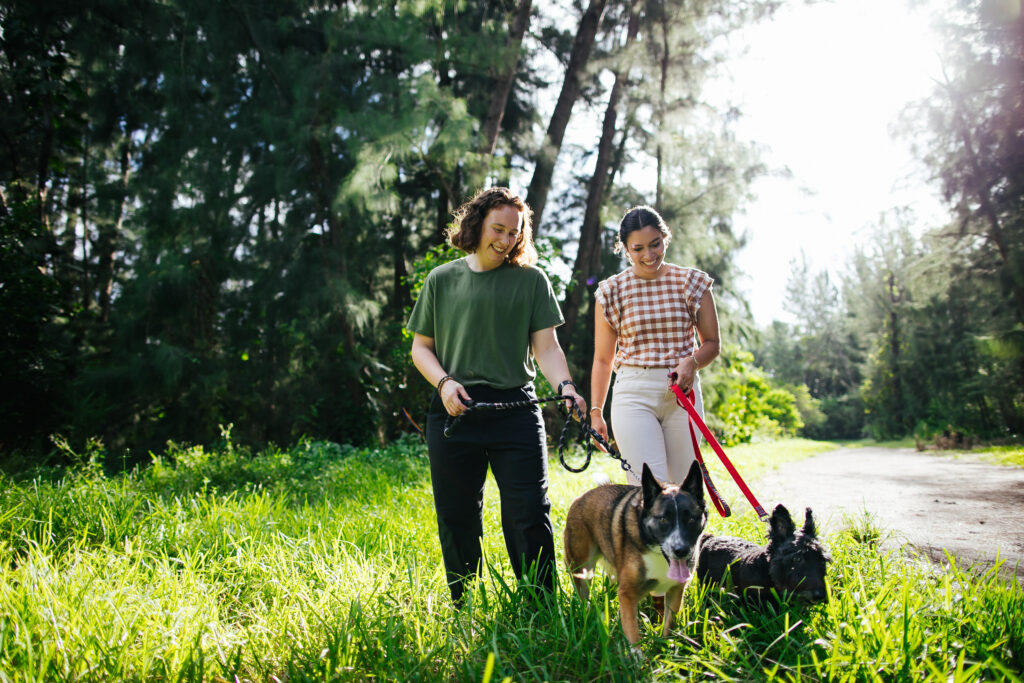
(547, 155)
(213, 212)
(587, 253)
(915, 307)
(882, 293)
(974, 144)
(504, 77)
(828, 352)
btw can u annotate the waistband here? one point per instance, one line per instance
(483, 393)
(647, 373)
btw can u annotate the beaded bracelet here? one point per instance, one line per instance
(563, 383)
(441, 383)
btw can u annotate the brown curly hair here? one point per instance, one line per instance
(464, 232)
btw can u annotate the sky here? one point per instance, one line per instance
(821, 87)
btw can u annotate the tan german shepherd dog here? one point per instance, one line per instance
(645, 536)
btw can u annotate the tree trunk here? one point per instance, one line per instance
(544, 168)
(441, 220)
(401, 297)
(588, 254)
(86, 292)
(659, 154)
(108, 235)
(982, 191)
(894, 350)
(505, 79)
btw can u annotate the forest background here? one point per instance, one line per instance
(214, 216)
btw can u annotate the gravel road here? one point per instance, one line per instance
(928, 503)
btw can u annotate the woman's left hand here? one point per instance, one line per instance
(684, 373)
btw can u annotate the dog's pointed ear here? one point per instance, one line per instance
(809, 527)
(650, 485)
(694, 482)
(781, 524)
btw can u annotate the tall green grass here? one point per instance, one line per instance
(1005, 455)
(321, 563)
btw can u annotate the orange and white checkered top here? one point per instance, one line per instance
(655, 320)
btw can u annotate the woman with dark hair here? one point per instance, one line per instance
(647, 321)
(478, 325)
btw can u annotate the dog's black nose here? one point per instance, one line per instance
(681, 552)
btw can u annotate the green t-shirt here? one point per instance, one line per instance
(481, 322)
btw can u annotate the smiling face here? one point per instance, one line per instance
(646, 251)
(502, 228)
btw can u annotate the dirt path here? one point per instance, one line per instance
(929, 503)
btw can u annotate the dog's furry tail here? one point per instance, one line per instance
(600, 478)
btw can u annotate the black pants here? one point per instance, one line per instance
(512, 443)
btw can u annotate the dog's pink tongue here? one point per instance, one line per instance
(678, 571)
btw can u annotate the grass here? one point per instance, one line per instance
(321, 563)
(1005, 455)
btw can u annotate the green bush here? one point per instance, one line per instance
(743, 405)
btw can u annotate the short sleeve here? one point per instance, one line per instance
(421, 320)
(607, 296)
(700, 282)
(546, 312)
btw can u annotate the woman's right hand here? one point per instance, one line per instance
(600, 426)
(452, 396)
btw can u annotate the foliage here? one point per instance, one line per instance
(923, 332)
(292, 564)
(434, 257)
(218, 213)
(821, 352)
(927, 371)
(844, 418)
(225, 200)
(33, 347)
(1006, 455)
(952, 353)
(811, 414)
(742, 404)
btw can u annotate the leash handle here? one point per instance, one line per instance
(585, 429)
(686, 404)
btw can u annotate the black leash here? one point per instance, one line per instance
(585, 429)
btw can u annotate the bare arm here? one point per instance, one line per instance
(601, 370)
(424, 357)
(552, 363)
(710, 344)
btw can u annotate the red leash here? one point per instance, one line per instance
(723, 507)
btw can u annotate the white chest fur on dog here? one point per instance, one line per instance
(656, 567)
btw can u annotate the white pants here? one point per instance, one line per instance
(649, 426)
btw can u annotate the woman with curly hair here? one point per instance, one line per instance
(478, 325)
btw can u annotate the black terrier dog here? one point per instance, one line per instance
(794, 561)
